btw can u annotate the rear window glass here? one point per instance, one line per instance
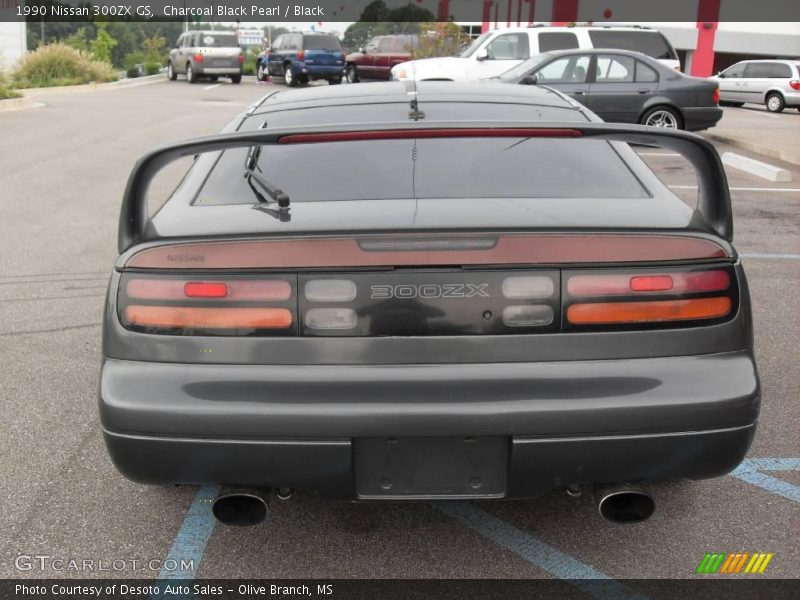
(780, 71)
(651, 43)
(525, 168)
(218, 40)
(557, 40)
(321, 42)
(758, 70)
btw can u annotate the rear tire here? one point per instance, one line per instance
(191, 76)
(351, 74)
(288, 77)
(214, 78)
(261, 73)
(335, 81)
(236, 79)
(662, 116)
(171, 74)
(775, 102)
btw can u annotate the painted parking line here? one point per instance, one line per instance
(769, 256)
(190, 542)
(658, 154)
(751, 471)
(553, 561)
(212, 86)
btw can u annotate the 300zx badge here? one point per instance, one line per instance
(430, 290)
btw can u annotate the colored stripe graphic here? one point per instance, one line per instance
(546, 557)
(711, 562)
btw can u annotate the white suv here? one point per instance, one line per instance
(495, 52)
(774, 83)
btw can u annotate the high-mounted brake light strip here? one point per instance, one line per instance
(402, 134)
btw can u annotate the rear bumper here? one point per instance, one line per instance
(699, 118)
(319, 71)
(218, 70)
(565, 422)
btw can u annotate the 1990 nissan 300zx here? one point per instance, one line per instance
(448, 291)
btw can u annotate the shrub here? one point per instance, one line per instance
(5, 91)
(132, 62)
(155, 49)
(439, 39)
(58, 64)
(152, 68)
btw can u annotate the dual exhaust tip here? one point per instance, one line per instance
(246, 507)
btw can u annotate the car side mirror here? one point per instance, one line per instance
(529, 80)
(482, 54)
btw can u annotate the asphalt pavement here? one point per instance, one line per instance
(63, 168)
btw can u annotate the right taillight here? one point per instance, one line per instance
(648, 297)
(795, 84)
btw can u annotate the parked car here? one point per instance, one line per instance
(206, 54)
(423, 330)
(303, 57)
(495, 52)
(624, 87)
(376, 59)
(773, 83)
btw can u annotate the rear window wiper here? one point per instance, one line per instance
(259, 184)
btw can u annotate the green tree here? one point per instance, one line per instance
(103, 44)
(155, 49)
(78, 40)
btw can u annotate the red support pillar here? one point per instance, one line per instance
(487, 15)
(565, 11)
(444, 10)
(531, 8)
(707, 21)
(519, 13)
(508, 19)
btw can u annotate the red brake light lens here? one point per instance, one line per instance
(201, 289)
(795, 84)
(241, 58)
(198, 57)
(715, 96)
(301, 55)
(631, 284)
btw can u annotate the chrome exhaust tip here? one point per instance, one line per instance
(624, 503)
(241, 507)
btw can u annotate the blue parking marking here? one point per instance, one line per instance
(190, 542)
(751, 471)
(582, 576)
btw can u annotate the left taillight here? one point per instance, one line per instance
(649, 297)
(218, 305)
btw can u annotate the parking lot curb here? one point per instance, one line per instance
(17, 103)
(756, 167)
(92, 87)
(785, 155)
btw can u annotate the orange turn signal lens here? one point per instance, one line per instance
(208, 318)
(602, 313)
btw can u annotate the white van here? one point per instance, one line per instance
(495, 52)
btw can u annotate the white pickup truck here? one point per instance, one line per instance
(495, 52)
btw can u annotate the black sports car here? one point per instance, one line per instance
(622, 86)
(388, 292)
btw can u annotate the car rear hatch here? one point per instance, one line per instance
(220, 50)
(322, 50)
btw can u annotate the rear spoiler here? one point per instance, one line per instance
(714, 203)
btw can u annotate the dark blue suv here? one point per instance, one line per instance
(302, 57)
